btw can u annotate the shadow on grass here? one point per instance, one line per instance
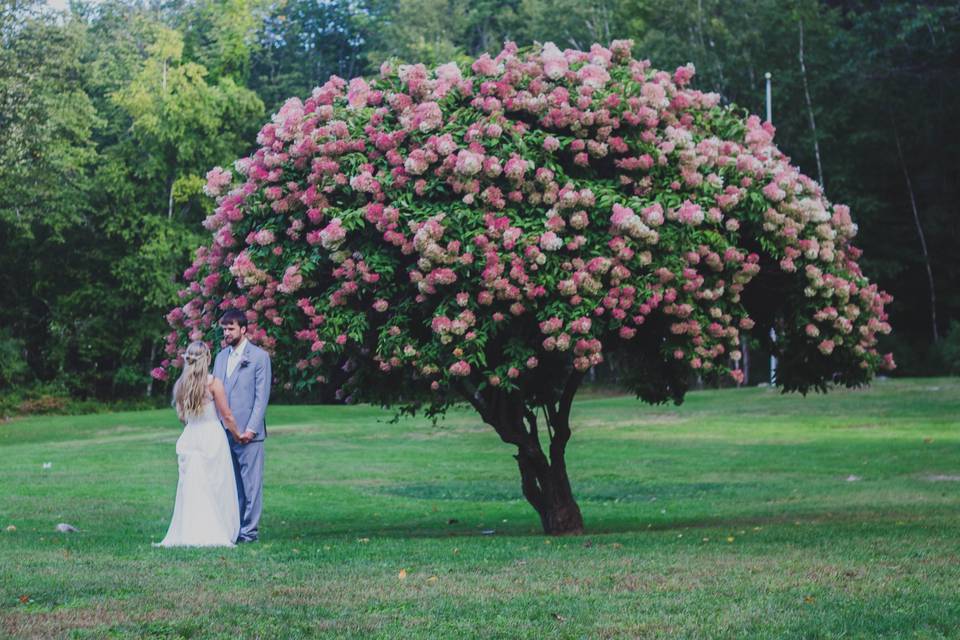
(815, 526)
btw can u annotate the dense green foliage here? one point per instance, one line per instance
(741, 514)
(111, 115)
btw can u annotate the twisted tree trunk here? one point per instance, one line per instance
(543, 479)
(547, 488)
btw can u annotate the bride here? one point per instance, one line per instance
(206, 512)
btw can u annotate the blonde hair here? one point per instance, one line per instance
(190, 391)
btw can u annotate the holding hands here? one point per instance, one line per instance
(243, 438)
(223, 408)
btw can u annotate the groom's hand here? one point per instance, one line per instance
(247, 436)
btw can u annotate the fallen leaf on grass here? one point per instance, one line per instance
(808, 599)
(363, 540)
(24, 599)
(730, 538)
(402, 575)
(432, 579)
(559, 618)
(11, 528)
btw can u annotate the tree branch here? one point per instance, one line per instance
(531, 418)
(471, 395)
(559, 416)
(569, 391)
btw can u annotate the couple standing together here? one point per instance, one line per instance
(221, 481)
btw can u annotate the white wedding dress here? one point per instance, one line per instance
(207, 511)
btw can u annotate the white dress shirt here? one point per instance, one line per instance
(236, 355)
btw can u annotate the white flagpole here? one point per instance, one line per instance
(773, 333)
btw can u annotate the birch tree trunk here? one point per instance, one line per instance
(813, 122)
(923, 238)
(153, 354)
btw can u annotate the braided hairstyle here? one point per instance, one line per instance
(190, 390)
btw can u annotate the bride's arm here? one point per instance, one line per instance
(220, 400)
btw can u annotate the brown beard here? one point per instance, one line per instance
(235, 342)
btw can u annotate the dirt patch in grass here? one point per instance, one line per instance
(869, 425)
(122, 429)
(448, 431)
(631, 423)
(59, 622)
(134, 435)
(643, 583)
(282, 431)
(296, 428)
(643, 630)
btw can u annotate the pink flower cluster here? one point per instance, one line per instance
(217, 179)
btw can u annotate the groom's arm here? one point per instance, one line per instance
(261, 394)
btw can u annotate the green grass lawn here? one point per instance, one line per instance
(741, 514)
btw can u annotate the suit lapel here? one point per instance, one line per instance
(220, 366)
(232, 381)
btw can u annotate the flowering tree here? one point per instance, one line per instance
(489, 234)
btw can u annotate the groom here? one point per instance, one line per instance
(244, 369)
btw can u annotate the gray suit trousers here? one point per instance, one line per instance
(248, 463)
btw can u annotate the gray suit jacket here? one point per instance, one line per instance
(248, 389)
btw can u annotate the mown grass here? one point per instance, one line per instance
(741, 514)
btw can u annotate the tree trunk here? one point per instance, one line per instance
(543, 480)
(813, 122)
(745, 350)
(546, 487)
(923, 238)
(153, 354)
(703, 46)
